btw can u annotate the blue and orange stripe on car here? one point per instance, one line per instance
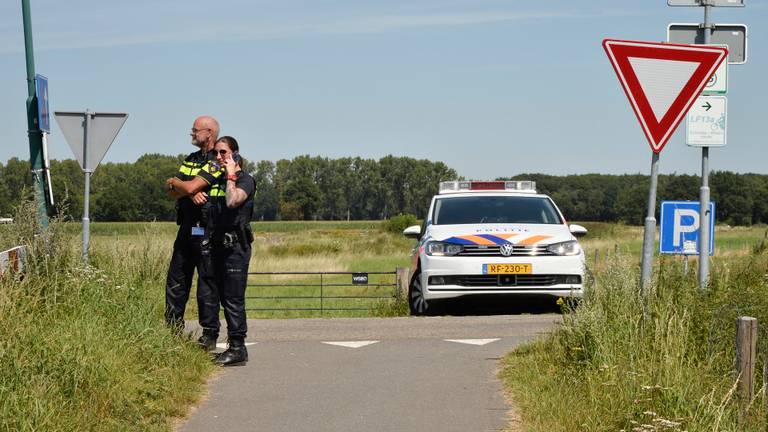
(495, 239)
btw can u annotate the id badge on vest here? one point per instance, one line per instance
(198, 231)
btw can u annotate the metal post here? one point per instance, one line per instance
(705, 220)
(704, 191)
(649, 235)
(86, 219)
(47, 170)
(33, 129)
(87, 193)
(321, 294)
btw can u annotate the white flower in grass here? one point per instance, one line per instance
(668, 424)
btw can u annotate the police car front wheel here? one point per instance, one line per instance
(416, 302)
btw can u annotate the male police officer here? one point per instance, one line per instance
(192, 214)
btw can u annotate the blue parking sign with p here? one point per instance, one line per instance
(680, 221)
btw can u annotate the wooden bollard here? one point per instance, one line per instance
(746, 353)
(403, 279)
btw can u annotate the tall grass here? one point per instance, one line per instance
(85, 347)
(664, 363)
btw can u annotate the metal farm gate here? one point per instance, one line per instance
(322, 291)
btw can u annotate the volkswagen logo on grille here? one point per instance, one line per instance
(506, 249)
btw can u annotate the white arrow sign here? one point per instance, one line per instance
(706, 122)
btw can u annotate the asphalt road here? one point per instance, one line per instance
(368, 374)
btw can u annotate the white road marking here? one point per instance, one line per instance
(472, 341)
(351, 344)
(224, 345)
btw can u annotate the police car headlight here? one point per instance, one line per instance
(570, 247)
(435, 248)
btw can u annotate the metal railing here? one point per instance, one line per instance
(327, 292)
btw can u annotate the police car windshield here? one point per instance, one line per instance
(494, 210)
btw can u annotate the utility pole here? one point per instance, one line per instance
(33, 129)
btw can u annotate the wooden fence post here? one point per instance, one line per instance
(403, 279)
(13, 259)
(746, 351)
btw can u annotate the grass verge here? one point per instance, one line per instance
(85, 347)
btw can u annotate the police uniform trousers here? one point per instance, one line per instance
(230, 278)
(187, 255)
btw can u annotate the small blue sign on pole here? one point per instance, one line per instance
(679, 230)
(43, 113)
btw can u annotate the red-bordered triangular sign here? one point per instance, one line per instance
(662, 81)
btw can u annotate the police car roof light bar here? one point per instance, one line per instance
(488, 185)
(467, 186)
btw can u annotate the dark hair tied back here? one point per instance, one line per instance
(231, 142)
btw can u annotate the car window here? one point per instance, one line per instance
(494, 210)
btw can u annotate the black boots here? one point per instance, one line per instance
(207, 341)
(235, 355)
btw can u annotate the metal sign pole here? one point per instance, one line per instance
(86, 201)
(33, 128)
(649, 235)
(704, 191)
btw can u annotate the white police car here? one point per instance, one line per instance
(497, 237)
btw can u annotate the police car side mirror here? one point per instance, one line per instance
(413, 231)
(578, 230)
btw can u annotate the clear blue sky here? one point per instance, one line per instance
(492, 88)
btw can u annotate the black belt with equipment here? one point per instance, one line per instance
(227, 238)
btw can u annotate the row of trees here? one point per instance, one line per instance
(316, 188)
(304, 188)
(740, 199)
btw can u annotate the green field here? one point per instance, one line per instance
(355, 246)
(291, 247)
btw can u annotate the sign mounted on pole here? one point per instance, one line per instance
(99, 130)
(43, 114)
(734, 36)
(716, 3)
(706, 122)
(679, 227)
(718, 82)
(89, 134)
(662, 81)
